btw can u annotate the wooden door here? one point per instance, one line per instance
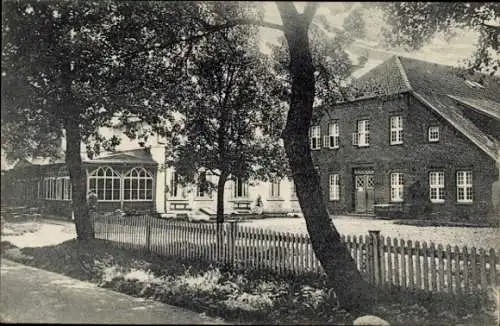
(364, 194)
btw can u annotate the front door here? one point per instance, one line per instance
(363, 192)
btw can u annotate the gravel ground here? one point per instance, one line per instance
(48, 234)
(485, 237)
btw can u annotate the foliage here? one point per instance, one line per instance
(412, 24)
(354, 23)
(231, 120)
(68, 60)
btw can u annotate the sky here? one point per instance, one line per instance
(438, 50)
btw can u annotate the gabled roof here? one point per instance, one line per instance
(134, 156)
(444, 89)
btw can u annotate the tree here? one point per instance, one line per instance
(67, 70)
(354, 23)
(413, 24)
(232, 118)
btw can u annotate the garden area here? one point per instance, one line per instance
(247, 296)
(237, 295)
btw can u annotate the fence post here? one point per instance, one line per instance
(148, 233)
(219, 238)
(375, 254)
(233, 227)
(92, 217)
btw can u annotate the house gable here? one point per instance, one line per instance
(439, 87)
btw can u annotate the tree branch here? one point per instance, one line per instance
(287, 12)
(494, 27)
(310, 11)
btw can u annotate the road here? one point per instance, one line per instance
(31, 295)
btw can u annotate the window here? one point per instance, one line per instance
(436, 184)
(137, 185)
(202, 187)
(176, 189)
(53, 188)
(332, 140)
(396, 130)
(275, 188)
(315, 137)
(334, 187)
(59, 190)
(464, 186)
(39, 186)
(396, 187)
(50, 186)
(240, 188)
(67, 191)
(434, 134)
(363, 135)
(105, 183)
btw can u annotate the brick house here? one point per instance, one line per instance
(424, 140)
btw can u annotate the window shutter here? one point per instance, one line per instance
(325, 142)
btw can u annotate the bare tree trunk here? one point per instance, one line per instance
(352, 291)
(84, 228)
(220, 210)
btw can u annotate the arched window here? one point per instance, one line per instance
(138, 185)
(105, 183)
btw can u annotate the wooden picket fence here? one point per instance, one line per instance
(385, 262)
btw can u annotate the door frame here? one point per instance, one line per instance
(364, 171)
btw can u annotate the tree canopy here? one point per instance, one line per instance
(413, 24)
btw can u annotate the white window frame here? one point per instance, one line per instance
(397, 187)
(433, 130)
(244, 188)
(207, 193)
(332, 140)
(396, 126)
(67, 189)
(315, 136)
(436, 186)
(59, 188)
(363, 133)
(275, 188)
(334, 187)
(114, 176)
(177, 191)
(465, 187)
(134, 177)
(39, 186)
(50, 188)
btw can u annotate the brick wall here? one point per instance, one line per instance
(416, 157)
